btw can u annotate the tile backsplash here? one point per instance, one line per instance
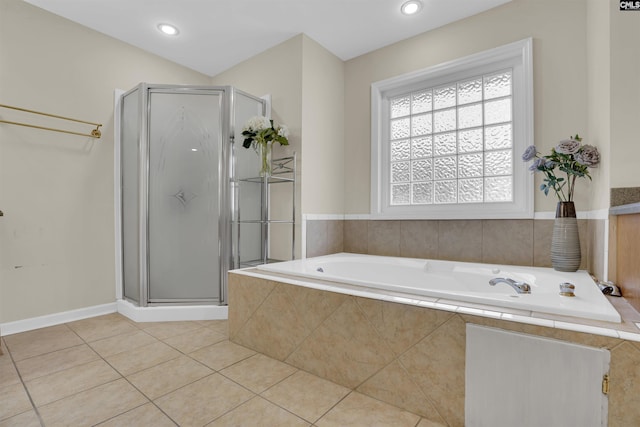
(624, 196)
(504, 241)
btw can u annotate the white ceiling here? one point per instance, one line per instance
(217, 34)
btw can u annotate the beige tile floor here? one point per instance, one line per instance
(111, 371)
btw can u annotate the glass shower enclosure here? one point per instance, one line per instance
(178, 160)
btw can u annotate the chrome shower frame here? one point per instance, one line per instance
(226, 161)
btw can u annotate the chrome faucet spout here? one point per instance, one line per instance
(520, 287)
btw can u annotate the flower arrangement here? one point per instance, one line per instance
(260, 130)
(260, 133)
(569, 156)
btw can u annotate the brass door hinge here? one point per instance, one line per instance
(605, 384)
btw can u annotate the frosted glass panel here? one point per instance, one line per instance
(445, 167)
(184, 138)
(421, 102)
(250, 248)
(421, 170)
(399, 128)
(400, 194)
(446, 192)
(400, 106)
(247, 162)
(422, 193)
(421, 125)
(470, 190)
(498, 162)
(498, 189)
(444, 97)
(469, 116)
(421, 147)
(453, 143)
(470, 165)
(444, 143)
(497, 111)
(400, 150)
(470, 140)
(497, 85)
(400, 172)
(130, 166)
(444, 120)
(497, 137)
(470, 91)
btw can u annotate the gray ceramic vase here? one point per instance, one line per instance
(565, 242)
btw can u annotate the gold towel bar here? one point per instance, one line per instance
(95, 133)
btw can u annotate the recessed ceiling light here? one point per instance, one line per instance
(411, 7)
(168, 29)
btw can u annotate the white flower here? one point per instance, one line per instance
(257, 123)
(283, 131)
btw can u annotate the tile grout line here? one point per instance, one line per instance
(132, 385)
(24, 386)
(125, 378)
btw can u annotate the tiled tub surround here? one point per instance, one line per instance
(460, 281)
(525, 242)
(409, 354)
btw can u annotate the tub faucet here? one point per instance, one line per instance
(520, 287)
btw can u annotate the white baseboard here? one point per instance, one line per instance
(24, 325)
(172, 313)
(135, 313)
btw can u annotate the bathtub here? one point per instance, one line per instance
(458, 281)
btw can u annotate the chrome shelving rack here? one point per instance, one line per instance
(283, 173)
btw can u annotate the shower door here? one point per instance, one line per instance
(185, 149)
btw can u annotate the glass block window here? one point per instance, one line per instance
(453, 143)
(446, 141)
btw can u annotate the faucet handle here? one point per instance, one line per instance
(567, 289)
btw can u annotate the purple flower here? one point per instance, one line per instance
(568, 146)
(588, 156)
(529, 153)
(549, 164)
(537, 165)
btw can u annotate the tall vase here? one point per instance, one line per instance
(565, 242)
(264, 152)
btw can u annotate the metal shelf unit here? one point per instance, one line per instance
(283, 173)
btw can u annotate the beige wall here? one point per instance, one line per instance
(599, 96)
(558, 30)
(323, 130)
(56, 190)
(625, 97)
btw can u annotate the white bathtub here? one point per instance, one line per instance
(459, 281)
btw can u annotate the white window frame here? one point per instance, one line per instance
(519, 57)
